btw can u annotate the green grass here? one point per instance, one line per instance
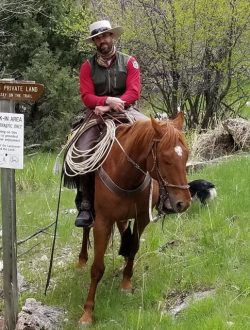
(211, 251)
(245, 112)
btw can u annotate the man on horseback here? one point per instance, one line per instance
(109, 83)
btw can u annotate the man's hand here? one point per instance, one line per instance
(115, 103)
(101, 109)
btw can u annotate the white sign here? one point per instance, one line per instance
(11, 140)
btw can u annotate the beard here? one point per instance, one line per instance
(105, 53)
(105, 48)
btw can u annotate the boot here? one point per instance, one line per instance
(85, 217)
(84, 197)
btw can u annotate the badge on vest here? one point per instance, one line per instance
(135, 65)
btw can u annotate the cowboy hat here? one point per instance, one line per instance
(103, 26)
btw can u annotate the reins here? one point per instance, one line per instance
(130, 160)
(155, 165)
(163, 184)
(167, 184)
(55, 230)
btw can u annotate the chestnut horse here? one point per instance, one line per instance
(149, 146)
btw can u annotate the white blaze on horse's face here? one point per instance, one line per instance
(178, 150)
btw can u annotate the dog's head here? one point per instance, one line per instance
(202, 190)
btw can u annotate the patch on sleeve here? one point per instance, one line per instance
(135, 65)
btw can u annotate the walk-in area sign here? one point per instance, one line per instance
(11, 158)
(11, 140)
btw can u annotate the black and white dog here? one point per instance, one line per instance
(202, 190)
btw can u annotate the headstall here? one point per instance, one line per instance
(163, 184)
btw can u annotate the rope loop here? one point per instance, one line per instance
(79, 162)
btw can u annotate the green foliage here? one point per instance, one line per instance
(45, 45)
(53, 114)
(37, 174)
(192, 54)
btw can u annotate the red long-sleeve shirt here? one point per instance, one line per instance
(131, 94)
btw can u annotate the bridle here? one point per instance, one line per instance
(163, 184)
(159, 175)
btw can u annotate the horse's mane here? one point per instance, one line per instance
(139, 133)
(142, 133)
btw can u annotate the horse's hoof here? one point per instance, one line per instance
(81, 265)
(84, 323)
(126, 286)
(126, 290)
(86, 319)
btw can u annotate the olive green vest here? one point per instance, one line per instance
(110, 81)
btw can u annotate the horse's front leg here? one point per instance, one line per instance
(139, 226)
(83, 255)
(101, 231)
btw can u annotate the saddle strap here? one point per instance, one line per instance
(113, 187)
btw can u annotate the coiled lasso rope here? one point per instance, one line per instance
(85, 161)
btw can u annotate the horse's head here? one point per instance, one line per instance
(168, 163)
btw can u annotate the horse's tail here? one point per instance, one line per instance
(126, 242)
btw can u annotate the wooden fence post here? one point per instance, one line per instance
(8, 189)
(10, 91)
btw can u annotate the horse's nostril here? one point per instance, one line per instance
(179, 206)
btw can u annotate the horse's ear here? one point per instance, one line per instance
(178, 121)
(157, 127)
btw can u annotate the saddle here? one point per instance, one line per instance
(88, 120)
(86, 115)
